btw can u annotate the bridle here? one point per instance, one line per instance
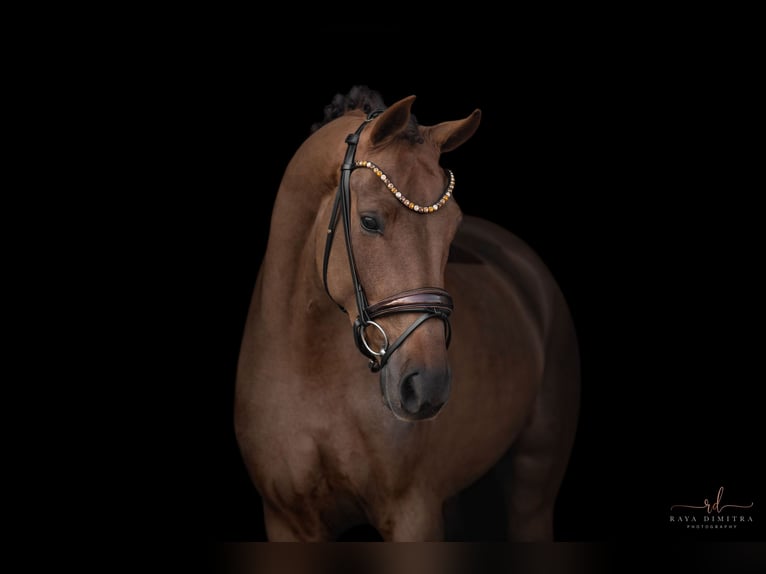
(431, 302)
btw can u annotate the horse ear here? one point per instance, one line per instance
(450, 135)
(392, 121)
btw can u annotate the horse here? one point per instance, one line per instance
(396, 350)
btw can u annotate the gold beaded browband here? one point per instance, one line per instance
(400, 196)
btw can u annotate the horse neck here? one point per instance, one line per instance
(292, 305)
(294, 308)
(288, 270)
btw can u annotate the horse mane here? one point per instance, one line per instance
(367, 100)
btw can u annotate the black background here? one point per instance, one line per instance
(632, 174)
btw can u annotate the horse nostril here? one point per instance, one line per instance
(409, 396)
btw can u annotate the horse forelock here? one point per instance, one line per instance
(366, 100)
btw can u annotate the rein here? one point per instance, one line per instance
(431, 302)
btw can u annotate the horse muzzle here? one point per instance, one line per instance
(416, 392)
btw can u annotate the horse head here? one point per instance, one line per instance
(393, 202)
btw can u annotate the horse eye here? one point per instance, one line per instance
(369, 223)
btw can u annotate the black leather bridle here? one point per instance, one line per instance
(431, 302)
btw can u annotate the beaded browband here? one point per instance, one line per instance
(398, 194)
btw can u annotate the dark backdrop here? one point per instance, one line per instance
(633, 180)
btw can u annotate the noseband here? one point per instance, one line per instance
(431, 302)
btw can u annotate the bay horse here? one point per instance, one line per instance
(395, 350)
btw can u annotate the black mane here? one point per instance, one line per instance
(367, 100)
